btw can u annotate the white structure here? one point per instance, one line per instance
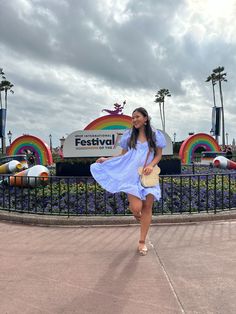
(95, 143)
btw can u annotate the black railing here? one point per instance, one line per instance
(187, 193)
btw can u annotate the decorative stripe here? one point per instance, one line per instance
(110, 122)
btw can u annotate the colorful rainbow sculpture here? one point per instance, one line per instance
(40, 149)
(193, 142)
(110, 122)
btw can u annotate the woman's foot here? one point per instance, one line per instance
(142, 249)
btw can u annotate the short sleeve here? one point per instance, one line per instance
(124, 140)
(160, 139)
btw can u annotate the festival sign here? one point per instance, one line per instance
(93, 143)
(101, 136)
(96, 143)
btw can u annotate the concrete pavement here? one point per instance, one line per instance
(190, 268)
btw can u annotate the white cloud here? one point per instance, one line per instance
(70, 59)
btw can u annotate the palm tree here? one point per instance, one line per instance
(160, 98)
(6, 86)
(212, 78)
(3, 78)
(219, 76)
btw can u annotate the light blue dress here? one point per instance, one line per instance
(120, 174)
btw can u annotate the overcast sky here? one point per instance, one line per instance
(69, 59)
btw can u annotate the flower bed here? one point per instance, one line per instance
(206, 190)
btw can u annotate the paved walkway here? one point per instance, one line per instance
(190, 268)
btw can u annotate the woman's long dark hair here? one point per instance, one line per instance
(150, 134)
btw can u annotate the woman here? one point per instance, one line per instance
(120, 173)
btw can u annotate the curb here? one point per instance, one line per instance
(89, 221)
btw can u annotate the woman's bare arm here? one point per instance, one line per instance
(102, 159)
(157, 157)
(148, 169)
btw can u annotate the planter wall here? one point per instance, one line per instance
(170, 166)
(82, 169)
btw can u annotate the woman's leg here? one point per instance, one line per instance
(146, 218)
(135, 205)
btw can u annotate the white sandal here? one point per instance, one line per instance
(142, 251)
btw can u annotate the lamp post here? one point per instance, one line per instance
(62, 141)
(9, 135)
(227, 138)
(50, 142)
(174, 137)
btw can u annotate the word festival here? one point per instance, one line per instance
(95, 141)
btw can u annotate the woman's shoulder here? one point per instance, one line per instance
(159, 138)
(127, 133)
(157, 132)
(125, 138)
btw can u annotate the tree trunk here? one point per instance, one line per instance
(5, 98)
(1, 99)
(214, 96)
(214, 101)
(223, 119)
(161, 114)
(164, 118)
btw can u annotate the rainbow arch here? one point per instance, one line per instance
(193, 142)
(41, 150)
(110, 122)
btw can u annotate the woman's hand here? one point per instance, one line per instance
(101, 160)
(147, 170)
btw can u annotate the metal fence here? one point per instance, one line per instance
(187, 193)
